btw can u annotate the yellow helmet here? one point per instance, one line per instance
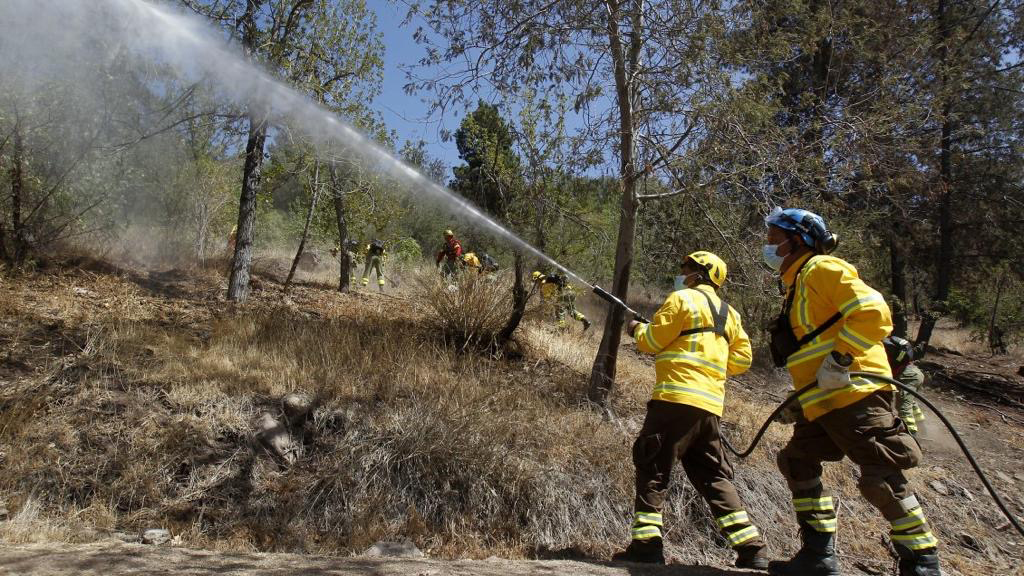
(715, 266)
(536, 275)
(448, 233)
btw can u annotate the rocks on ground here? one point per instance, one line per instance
(970, 542)
(297, 407)
(939, 487)
(383, 549)
(156, 536)
(277, 435)
(274, 437)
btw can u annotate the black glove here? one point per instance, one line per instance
(631, 327)
(790, 414)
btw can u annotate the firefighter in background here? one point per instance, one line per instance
(449, 258)
(232, 238)
(902, 354)
(831, 324)
(350, 248)
(488, 265)
(698, 341)
(556, 291)
(567, 305)
(471, 263)
(480, 263)
(375, 256)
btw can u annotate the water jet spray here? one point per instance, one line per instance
(192, 48)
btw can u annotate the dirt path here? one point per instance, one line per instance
(118, 559)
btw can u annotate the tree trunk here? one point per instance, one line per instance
(17, 175)
(538, 221)
(344, 258)
(4, 255)
(238, 285)
(944, 265)
(241, 263)
(995, 336)
(602, 375)
(898, 283)
(305, 227)
(518, 302)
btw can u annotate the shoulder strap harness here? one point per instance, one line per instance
(719, 317)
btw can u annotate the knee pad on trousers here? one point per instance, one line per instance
(646, 449)
(796, 480)
(882, 488)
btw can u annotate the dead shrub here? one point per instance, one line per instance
(471, 309)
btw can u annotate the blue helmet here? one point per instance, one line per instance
(807, 224)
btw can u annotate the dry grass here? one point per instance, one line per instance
(131, 405)
(949, 335)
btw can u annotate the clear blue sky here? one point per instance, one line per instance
(407, 114)
(404, 113)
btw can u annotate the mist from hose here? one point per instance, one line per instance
(40, 35)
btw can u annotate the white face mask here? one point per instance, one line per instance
(770, 254)
(680, 283)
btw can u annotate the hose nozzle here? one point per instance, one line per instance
(612, 299)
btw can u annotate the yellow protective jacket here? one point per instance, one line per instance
(470, 259)
(692, 369)
(549, 290)
(827, 285)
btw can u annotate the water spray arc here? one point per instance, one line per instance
(197, 52)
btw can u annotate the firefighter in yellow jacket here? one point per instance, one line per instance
(698, 341)
(832, 324)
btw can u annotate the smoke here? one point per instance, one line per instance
(48, 39)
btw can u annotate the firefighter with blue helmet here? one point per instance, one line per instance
(832, 324)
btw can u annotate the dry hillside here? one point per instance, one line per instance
(129, 399)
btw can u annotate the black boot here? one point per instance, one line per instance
(921, 563)
(648, 551)
(817, 557)
(752, 557)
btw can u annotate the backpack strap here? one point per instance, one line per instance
(719, 316)
(818, 331)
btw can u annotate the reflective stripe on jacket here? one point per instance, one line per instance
(828, 285)
(692, 369)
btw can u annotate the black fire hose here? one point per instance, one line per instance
(956, 436)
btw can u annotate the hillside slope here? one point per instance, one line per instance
(131, 400)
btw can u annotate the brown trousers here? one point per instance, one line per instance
(673, 432)
(869, 434)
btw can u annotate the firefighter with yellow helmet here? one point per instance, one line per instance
(832, 324)
(698, 341)
(556, 291)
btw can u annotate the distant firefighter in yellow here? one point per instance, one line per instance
(471, 263)
(901, 355)
(556, 291)
(376, 253)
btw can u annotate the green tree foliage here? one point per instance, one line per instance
(490, 176)
(327, 48)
